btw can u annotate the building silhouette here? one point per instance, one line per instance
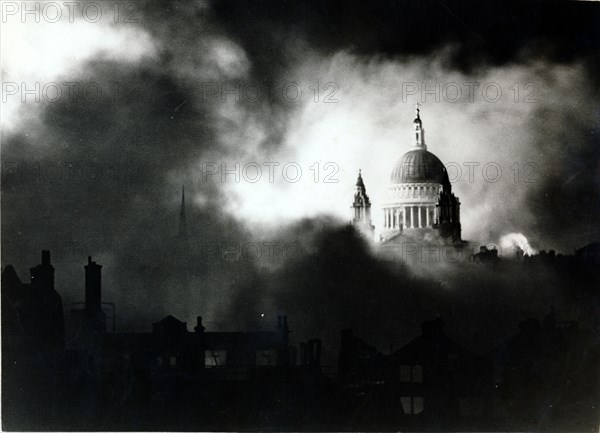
(33, 348)
(536, 371)
(441, 380)
(428, 383)
(33, 311)
(545, 376)
(172, 346)
(486, 255)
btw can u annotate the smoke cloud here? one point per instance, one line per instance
(189, 90)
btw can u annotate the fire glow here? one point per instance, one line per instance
(514, 240)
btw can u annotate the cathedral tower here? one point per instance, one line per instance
(361, 210)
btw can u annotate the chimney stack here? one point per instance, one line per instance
(45, 257)
(199, 327)
(42, 276)
(93, 286)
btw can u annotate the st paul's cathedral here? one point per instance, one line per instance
(419, 205)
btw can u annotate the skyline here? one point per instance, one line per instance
(165, 96)
(206, 155)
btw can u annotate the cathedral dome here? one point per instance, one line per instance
(419, 166)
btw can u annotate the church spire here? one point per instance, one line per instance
(359, 181)
(419, 131)
(182, 223)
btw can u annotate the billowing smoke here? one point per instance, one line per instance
(202, 87)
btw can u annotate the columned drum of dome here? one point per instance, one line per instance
(419, 200)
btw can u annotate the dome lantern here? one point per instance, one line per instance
(419, 142)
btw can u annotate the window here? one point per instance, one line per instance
(417, 405)
(159, 360)
(172, 361)
(215, 358)
(411, 373)
(266, 358)
(412, 405)
(405, 373)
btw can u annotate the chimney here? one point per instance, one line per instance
(93, 286)
(42, 276)
(45, 257)
(199, 327)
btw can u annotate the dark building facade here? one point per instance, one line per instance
(440, 380)
(33, 343)
(172, 346)
(33, 311)
(547, 374)
(431, 382)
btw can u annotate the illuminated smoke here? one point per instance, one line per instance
(513, 240)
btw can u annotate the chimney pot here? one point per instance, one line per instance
(45, 257)
(199, 327)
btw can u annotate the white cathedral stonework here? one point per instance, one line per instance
(419, 206)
